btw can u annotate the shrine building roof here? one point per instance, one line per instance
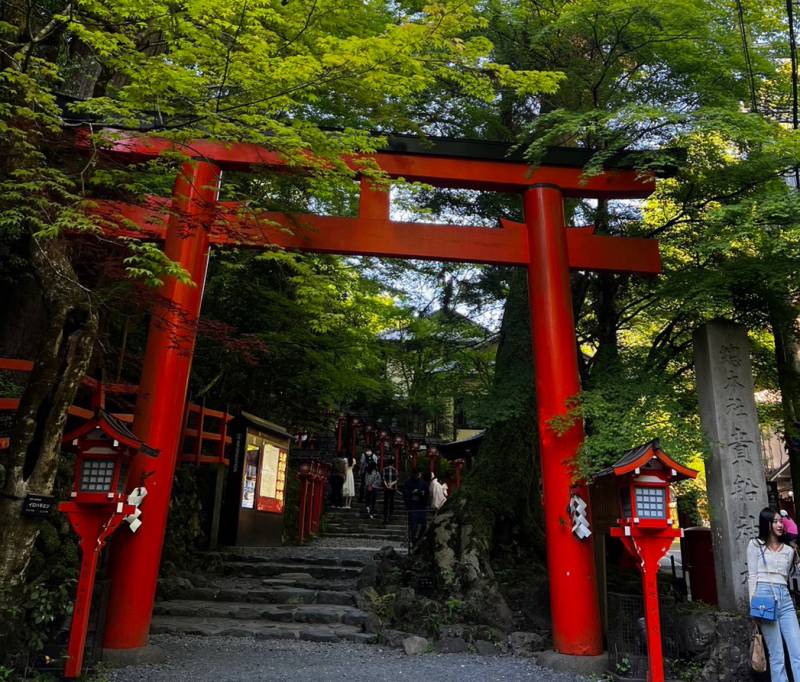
(640, 456)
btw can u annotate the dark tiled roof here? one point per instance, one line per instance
(119, 426)
(635, 457)
(122, 429)
(630, 457)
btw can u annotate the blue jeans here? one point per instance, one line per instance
(784, 628)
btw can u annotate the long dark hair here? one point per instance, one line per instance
(765, 519)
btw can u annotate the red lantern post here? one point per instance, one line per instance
(340, 428)
(414, 455)
(98, 506)
(643, 476)
(433, 458)
(319, 485)
(398, 447)
(459, 465)
(355, 427)
(303, 476)
(312, 495)
(383, 440)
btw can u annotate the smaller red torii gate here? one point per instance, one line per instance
(193, 220)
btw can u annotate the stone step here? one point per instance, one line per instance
(275, 569)
(278, 613)
(365, 528)
(376, 523)
(369, 524)
(304, 582)
(260, 629)
(355, 502)
(377, 532)
(303, 560)
(277, 594)
(355, 512)
(361, 511)
(365, 525)
(400, 537)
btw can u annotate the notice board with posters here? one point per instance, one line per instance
(272, 481)
(256, 494)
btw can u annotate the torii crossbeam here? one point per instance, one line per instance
(194, 219)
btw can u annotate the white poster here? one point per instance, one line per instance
(269, 470)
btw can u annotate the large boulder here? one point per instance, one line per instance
(369, 575)
(729, 657)
(698, 633)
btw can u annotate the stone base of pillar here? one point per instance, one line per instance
(146, 655)
(566, 663)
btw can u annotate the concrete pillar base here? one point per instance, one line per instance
(566, 663)
(146, 655)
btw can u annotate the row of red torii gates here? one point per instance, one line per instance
(194, 219)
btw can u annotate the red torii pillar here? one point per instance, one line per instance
(570, 562)
(135, 558)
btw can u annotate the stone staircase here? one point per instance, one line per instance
(353, 524)
(304, 594)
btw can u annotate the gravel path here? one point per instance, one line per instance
(225, 659)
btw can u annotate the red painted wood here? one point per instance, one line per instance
(376, 235)
(435, 170)
(160, 405)
(589, 251)
(93, 525)
(372, 236)
(207, 435)
(204, 459)
(9, 404)
(15, 365)
(648, 547)
(573, 588)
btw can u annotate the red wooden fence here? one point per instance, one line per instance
(205, 431)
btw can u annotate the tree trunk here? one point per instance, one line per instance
(606, 286)
(65, 348)
(499, 505)
(786, 331)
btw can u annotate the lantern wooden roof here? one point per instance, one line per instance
(114, 429)
(640, 456)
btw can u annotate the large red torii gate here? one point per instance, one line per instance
(193, 220)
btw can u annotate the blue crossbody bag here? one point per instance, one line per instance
(764, 608)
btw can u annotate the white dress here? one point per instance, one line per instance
(349, 487)
(437, 494)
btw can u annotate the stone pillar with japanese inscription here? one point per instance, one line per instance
(737, 489)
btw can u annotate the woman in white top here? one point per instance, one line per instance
(437, 493)
(769, 562)
(349, 487)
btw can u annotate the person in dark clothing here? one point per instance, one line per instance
(372, 483)
(337, 481)
(389, 489)
(415, 495)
